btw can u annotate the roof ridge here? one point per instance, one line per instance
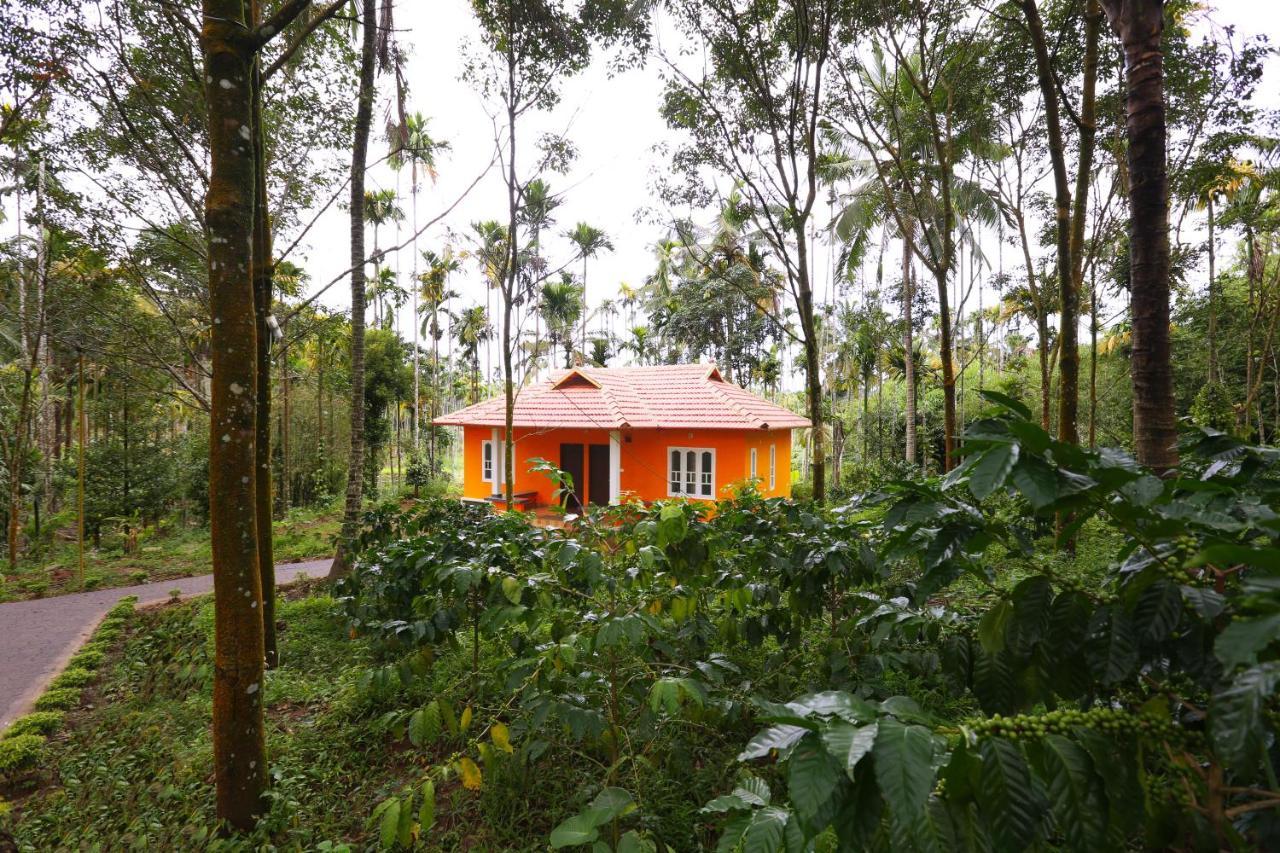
(718, 389)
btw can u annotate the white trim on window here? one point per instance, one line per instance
(773, 466)
(754, 467)
(487, 461)
(691, 472)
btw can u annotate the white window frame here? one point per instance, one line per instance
(488, 456)
(755, 466)
(773, 466)
(701, 475)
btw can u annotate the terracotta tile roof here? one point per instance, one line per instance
(682, 396)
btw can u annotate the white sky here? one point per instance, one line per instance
(614, 123)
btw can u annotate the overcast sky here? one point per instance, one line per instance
(614, 123)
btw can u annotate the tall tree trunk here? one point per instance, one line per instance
(1042, 326)
(908, 352)
(1068, 347)
(263, 275)
(1069, 397)
(286, 425)
(1139, 24)
(812, 366)
(1093, 355)
(239, 745)
(359, 155)
(509, 282)
(1213, 298)
(83, 431)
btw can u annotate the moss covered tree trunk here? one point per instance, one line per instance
(263, 273)
(239, 746)
(359, 156)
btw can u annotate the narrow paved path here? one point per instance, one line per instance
(37, 637)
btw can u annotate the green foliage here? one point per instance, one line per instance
(37, 722)
(20, 752)
(60, 699)
(72, 677)
(1191, 601)
(1214, 407)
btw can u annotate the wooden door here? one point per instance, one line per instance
(571, 462)
(598, 474)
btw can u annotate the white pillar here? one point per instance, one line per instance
(615, 466)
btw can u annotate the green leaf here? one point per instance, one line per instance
(849, 743)
(993, 682)
(512, 589)
(991, 470)
(613, 803)
(389, 829)
(774, 737)
(991, 627)
(812, 777)
(1226, 555)
(574, 831)
(1074, 794)
(424, 725)
(1006, 402)
(1158, 611)
(1032, 601)
(1036, 480)
(631, 842)
(904, 770)
(1111, 647)
(427, 813)
(765, 831)
(1006, 797)
(1236, 718)
(1207, 602)
(1241, 641)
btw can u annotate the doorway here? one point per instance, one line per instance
(598, 474)
(573, 463)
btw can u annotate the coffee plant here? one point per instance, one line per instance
(1134, 708)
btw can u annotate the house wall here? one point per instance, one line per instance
(530, 444)
(643, 458)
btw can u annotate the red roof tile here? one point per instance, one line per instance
(683, 396)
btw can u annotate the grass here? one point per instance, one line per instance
(164, 552)
(131, 766)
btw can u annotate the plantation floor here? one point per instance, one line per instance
(161, 553)
(40, 635)
(131, 768)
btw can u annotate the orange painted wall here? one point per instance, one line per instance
(643, 459)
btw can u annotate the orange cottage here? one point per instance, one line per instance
(646, 432)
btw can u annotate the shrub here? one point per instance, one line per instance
(72, 677)
(1214, 407)
(37, 587)
(88, 658)
(35, 723)
(140, 576)
(20, 753)
(59, 699)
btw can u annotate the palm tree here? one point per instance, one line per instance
(433, 285)
(1140, 26)
(471, 328)
(591, 242)
(560, 308)
(411, 144)
(642, 344)
(380, 208)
